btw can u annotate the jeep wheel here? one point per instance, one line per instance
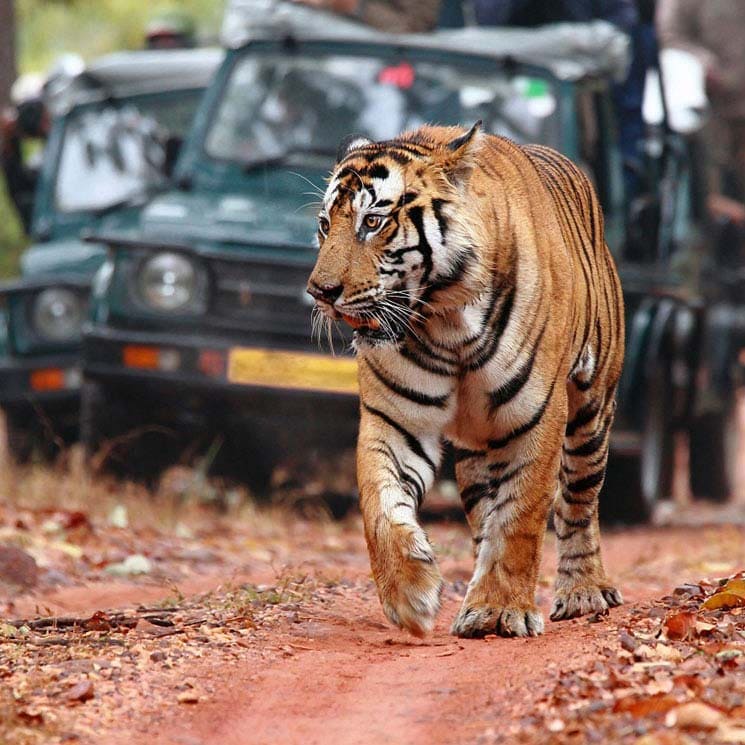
(713, 443)
(31, 435)
(120, 436)
(658, 438)
(622, 499)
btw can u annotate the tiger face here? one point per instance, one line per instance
(387, 239)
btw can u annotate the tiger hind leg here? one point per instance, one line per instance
(581, 584)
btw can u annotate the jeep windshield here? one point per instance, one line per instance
(114, 151)
(298, 105)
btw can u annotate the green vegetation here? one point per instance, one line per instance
(12, 238)
(47, 29)
(90, 28)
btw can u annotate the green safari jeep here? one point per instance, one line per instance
(116, 127)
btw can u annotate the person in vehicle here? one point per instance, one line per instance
(632, 17)
(398, 16)
(170, 30)
(714, 32)
(27, 120)
(621, 13)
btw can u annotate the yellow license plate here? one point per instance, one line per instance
(295, 370)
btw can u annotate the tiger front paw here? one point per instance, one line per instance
(584, 599)
(477, 620)
(409, 583)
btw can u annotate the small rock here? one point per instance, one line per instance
(628, 642)
(17, 568)
(80, 692)
(688, 589)
(188, 697)
(158, 656)
(134, 564)
(118, 517)
(694, 715)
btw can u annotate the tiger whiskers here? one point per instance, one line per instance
(316, 189)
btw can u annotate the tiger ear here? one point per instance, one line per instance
(456, 157)
(350, 143)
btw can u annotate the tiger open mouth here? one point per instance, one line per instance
(372, 330)
(358, 323)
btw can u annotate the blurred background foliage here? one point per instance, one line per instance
(47, 29)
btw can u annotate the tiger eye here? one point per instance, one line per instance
(323, 225)
(372, 221)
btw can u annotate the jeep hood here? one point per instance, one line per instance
(229, 218)
(71, 256)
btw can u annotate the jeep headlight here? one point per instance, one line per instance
(57, 314)
(170, 282)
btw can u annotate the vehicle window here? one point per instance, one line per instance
(115, 150)
(282, 104)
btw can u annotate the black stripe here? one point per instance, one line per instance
(378, 170)
(442, 220)
(402, 472)
(473, 494)
(581, 555)
(411, 441)
(406, 392)
(512, 387)
(588, 482)
(413, 356)
(487, 352)
(416, 215)
(594, 443)
(461, 454)
(523, 428)
(584, 415)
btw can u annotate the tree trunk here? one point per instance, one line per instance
(7, 51)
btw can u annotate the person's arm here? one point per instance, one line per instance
(395, 16)
(494, 12)
(677, 27)
(621, 13)
(404, 16)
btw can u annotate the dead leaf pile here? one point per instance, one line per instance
(675, 676)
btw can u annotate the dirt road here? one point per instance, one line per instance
(262, 627)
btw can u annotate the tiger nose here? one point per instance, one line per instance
(327, 293)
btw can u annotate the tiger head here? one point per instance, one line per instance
(393, 245)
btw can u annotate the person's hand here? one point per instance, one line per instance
(8, 123)
(8, 130)
(715, 81)
(346, 7)
(725, 208)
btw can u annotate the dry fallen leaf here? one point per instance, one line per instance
(736, 587)
(644, 707)
(680, 626)
(723, 600)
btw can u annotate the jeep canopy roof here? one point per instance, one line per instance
(569, 50)
(131, 73)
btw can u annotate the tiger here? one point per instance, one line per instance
(487, 312)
